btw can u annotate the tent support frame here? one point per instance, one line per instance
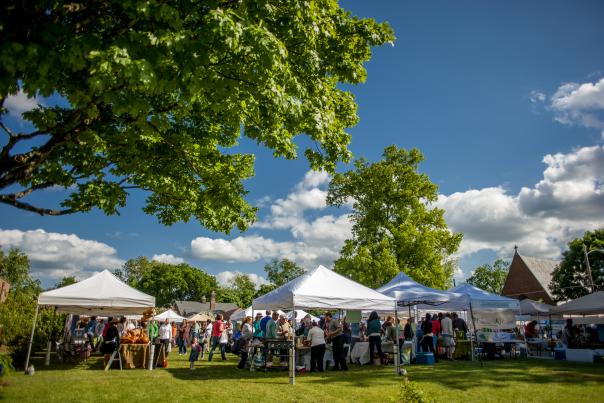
(31, 338)
(49, 343)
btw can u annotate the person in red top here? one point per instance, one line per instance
(217, 329)
(436, 330)
(530, 330)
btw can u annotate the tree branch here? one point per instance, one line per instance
(7, 199)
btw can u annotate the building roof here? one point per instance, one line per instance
(542, 269)
(186, 308)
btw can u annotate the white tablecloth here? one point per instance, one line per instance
(360, 351)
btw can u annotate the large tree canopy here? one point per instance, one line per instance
(490, 278)
(281, 271)
(395, 227)
(167, 282)
(571, 279)
(156, 94)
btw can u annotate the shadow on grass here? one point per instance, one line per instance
(459, 375)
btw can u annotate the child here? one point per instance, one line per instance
(195, 349)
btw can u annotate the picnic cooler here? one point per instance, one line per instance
(425, 358)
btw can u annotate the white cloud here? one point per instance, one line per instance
(536, 97)
(572, 186)
(307, 195)
(540, 220)
(19, 103)
(168, 258)
(53, 255)
(314, 241)
(580, 104)
(224, 278)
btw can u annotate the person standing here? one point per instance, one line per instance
(258, 334)
(187, 335)
(283, 333)
(111, 341)
(436, 330)
(217, 329)
(165, 335)
(207, 338)
(375, 338)
(182, 344)
(271, 333)
(447, 332)
(316, 336)
(428, 338)
(195, 349)
(460, 325)
(90, 331)
(337, 342)
(195, 329)
(264, 321)
(246, 336)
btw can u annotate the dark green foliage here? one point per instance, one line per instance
(571, 279)
(167, 282)
(395, 225)
(490, 278)
(159, 93)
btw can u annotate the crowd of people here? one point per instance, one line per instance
(436, 333)
(446, 327)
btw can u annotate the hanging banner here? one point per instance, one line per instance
(495, 319)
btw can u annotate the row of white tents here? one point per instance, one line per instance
(104, 295)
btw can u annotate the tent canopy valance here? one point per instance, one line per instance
(530, 307)
(482, 300)
(170, 315)
(408, 292)
(102, 294)
(322, 288)
(591, 304)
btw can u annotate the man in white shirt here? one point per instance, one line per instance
(316, 336)
(165, 335)
(446, 325)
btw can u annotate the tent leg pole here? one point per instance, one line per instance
(292, 353)
(31, 338)
(396, 349)
(48, 344)
(475, 334)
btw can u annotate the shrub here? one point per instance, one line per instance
(412, 393)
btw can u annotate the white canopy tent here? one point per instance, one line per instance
(170, 315)
(300, 314)
(102, 294)
(488, 310)
(240, 315)
(408, 292)
(591, 304)
(480, 299)
(534, 308)
(322, 288)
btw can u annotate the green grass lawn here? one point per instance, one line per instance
(497, 381)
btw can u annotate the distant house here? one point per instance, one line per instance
(529, 277)
(188, 308)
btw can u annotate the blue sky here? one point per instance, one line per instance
(505, 100)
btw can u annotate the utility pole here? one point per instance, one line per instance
(591, 280)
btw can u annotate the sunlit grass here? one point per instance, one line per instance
(504, 381)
